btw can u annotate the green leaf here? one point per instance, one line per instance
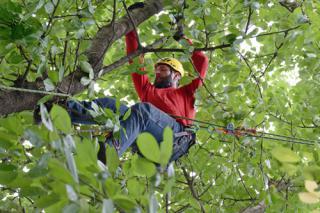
(124, 202)
(86, 67)
(71, 208)
(166, 146)
(46, 201)
(112, 187)
(309, 198)
(49, 7)
(85, 81)
(45, 118)
(135, 188)
(6, 140)
(48, 84)
(112, 159)
(69, 146)
(59, 171)
(289, 169)
(61, 119)
(149, 147)
(127, 114)
(32, 191)
(8, 173)
(107, 206)
(61, 73)
(86, 155)
(54, 76)
(72, 195)
(44, 99)
(153, 204)
(285, 155)
(143, 167)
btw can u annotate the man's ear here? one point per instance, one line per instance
(177, 76)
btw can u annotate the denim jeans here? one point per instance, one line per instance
(144, 117)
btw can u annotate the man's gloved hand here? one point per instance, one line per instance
(179, 34)
(136, 6)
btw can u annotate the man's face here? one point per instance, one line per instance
(165, 77)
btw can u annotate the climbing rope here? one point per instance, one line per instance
(249, 132)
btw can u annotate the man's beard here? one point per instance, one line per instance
(163, 82)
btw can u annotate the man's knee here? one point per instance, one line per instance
(143, 107)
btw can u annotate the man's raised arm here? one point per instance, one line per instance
(200, 62)
(139, 80)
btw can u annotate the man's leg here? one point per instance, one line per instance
(79, 111)
(145, 117)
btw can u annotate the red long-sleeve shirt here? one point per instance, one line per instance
(173, 101)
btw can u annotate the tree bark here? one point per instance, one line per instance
(15, 101)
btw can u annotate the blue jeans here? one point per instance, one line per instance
(144, 117)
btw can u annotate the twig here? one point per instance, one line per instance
(248, 21)
(222, 46)
(65, 50)
(133, 23)
(111, 38)
(182, 208)
(167, 203)
(29, 63)
(251, 73)
(50, 19)
(244, 185)
(239, 199)
(205, 31)
(274, 56)
(74, 67)
(277, 32)
(192, 189)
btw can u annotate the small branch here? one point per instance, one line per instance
(133, 23)
(192, 189)
(167, 202)
(238, 199)
(205, 31)
(74, 66)
(29, 63)
(222, 46)
(182, 209)
(251, 74)
(66, 16)
(127, 58)
(277, 32)
(289, 123)
(274, 55)
(65, 50)
(248, 20)
(244, 185)
(44, 34)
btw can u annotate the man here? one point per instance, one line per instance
(163, 103)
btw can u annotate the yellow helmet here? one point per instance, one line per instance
(173, 63)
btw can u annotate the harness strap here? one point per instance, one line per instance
(179, 134)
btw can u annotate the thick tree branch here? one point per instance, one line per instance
(13, 101)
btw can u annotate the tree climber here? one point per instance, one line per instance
(163, 103)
